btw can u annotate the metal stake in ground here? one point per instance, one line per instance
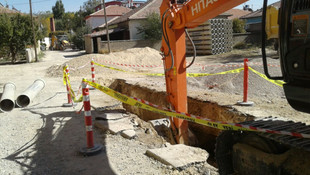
(245, 101)
(91, 149)
(70, 102)
(92, 68)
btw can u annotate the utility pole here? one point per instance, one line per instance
(106, 24)
(34, 35)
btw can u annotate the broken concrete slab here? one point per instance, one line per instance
(110, 116)
(159, 122)
(114, 126)
(178, 155)
(129, 134)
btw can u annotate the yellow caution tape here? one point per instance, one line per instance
(65, 81)
(162, 74)
(113, 68)
(276, 82)
(220, 73)
(135, 102)
(64, 75)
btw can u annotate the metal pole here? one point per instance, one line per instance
(106, 24)
(34, 35)
(245, 81)
(245, 101)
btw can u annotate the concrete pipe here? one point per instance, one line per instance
(27, 96)
(7, 103)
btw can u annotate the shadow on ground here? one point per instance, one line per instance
(75, 54)
(55, 148)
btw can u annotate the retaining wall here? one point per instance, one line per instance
(127, 44)
(30, 55)
(120, 45)
(253, 38)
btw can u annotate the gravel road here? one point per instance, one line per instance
(45, 138)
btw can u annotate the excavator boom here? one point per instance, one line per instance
(175, 18)
(236, 151)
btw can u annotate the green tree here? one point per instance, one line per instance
(88, 7)
(43, 18)
(78, 20)
(78, 25)
(151, 28)
(58, 10)
(238, 26)
(78, 37)
(68, 21)
(16, 33)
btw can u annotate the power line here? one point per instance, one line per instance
(26, 3)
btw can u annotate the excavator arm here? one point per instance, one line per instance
(175, 19)
(236, 151)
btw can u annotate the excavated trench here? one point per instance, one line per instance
(203, 136)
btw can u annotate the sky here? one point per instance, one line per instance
(74, 5)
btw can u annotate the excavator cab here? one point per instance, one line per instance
(294, 40)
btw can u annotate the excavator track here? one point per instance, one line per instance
(240, 152)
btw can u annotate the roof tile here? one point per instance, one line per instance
(237, 13)
(6, 10)
(112, 10)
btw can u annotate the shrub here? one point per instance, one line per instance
(151, 28)
(238, 26)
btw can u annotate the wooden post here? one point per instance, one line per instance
(106, 24)
(34, 35)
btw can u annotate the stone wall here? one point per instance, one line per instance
(120, 45)
(253, 38)
(88, 44)
(127, 44)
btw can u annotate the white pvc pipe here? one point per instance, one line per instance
(7, 103)
(27, 96)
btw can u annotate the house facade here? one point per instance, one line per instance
(254, 19)
(124, 3)
(7, 10)
(98, 18)
(237, 13)
(99, 7)
(129, 22)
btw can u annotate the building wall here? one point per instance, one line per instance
(253, 20)
(133, 31)
(248, 38)
(88, 44)
(98, 7)
(127, 44)
(95, 21)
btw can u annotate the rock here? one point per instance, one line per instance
(110, 116)
(148, 131)
(114, 126)
(129, 134)
(178, 155)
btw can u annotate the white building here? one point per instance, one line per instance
(96, 19)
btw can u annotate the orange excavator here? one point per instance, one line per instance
(244, 152)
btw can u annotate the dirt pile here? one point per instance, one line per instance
(131, 59)
(223, 89)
